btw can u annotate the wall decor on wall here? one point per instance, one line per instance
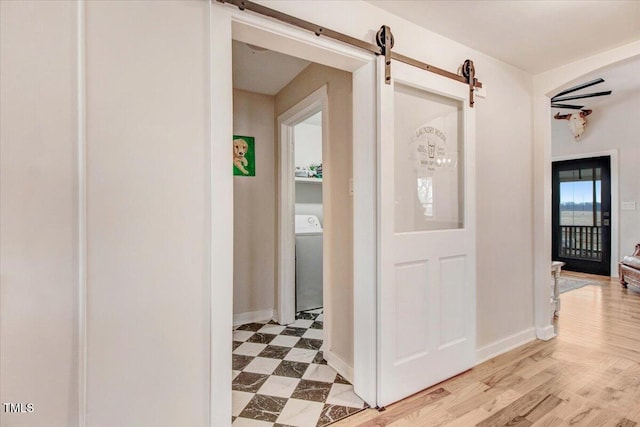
(577, 121)
(244, 155)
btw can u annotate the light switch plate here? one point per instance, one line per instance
(628, 206)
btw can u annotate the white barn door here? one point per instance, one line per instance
(426, 211)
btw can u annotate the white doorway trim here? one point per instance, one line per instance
(221, 217)
(227, 23)
(615, 187)
(312, 104)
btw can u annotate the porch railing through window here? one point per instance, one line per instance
(581, 241)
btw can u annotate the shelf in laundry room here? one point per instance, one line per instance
(310, 180)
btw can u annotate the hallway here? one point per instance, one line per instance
(588, 375)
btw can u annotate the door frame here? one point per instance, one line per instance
(318, 101)
(615, 211)
(227, 23)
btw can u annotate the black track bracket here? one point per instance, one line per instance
(384, 39)
(469, 73)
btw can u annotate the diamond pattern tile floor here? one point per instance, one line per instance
(281, 379)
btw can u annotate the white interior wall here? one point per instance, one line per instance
(147, 213)
(308, 150)
(309, 200)
(308, 144)
(38, 212)
(504, 173)
(254, 212)
(609, 128)
(148, 176)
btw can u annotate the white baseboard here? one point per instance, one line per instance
(252, 316)
(339, 365)
(546, 333)
(506, 344)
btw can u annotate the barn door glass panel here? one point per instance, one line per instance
(429, 172)
(581, 218)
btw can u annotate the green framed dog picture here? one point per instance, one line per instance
(244, 155)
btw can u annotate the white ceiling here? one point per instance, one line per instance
(263, 71)
(533, 35)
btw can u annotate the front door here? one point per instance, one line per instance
(581, 214)
(426, 218)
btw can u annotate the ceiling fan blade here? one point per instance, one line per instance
(578, 87)
(572, 107)
(586, 95)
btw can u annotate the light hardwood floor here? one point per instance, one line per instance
(588, 376)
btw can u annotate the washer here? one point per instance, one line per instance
(308, 262)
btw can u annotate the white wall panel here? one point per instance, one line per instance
(38, 258)
(148, 197)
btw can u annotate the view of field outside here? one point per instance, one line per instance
(576, 203)
(579, 217)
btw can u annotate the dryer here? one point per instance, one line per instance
(308, 262)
